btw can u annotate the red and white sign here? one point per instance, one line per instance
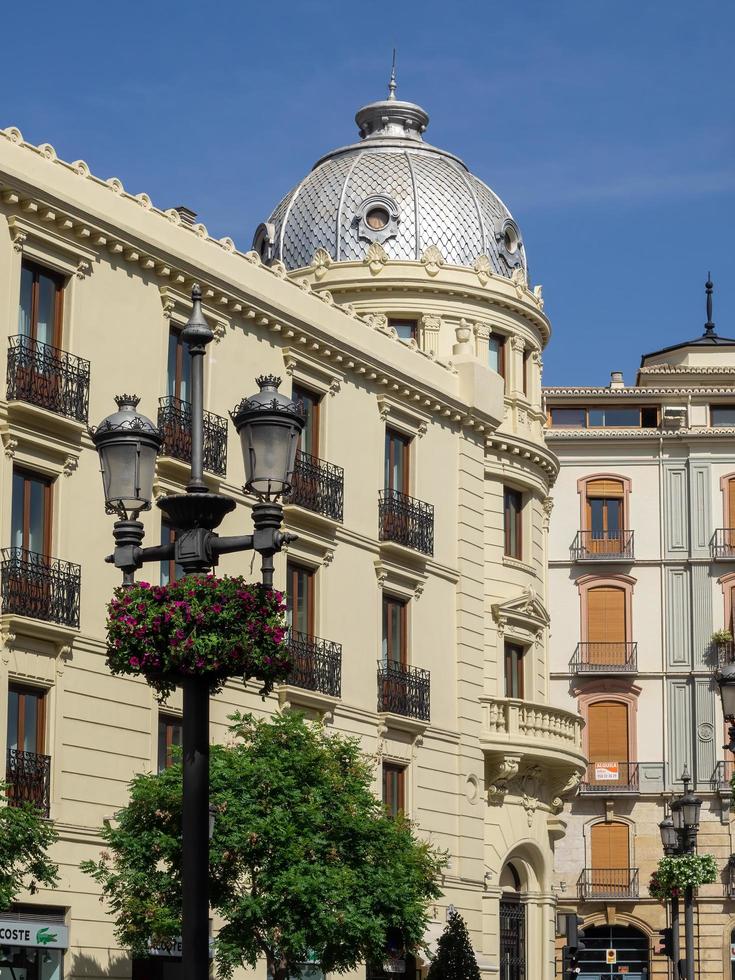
(607, 771)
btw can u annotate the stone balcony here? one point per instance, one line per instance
(523, 737)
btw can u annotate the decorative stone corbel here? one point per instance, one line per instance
(278, 269)
(563, 789)
(483, 268)
(335, 386)
(538, 296)
(547, 505)
(519, 280)
(376, 258)
(422, 429)
(19, 238)
(517, 344)
(70, 465)
(84, 268)
(378, 321)
(429, 330)
(9, 445)
(219, 329)
(501, 772)
(432, 260)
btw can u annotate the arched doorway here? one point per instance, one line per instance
(630, 949)
(512, 926)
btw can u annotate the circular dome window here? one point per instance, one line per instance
(510, 239)
(377, 218)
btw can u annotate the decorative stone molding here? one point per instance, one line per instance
(500, 772)
(402, 580)
(10, 444)
(304, 368)
(83, 269)
(547, 505)
(517, 344)
(429, 329)
(432, 260)
(463, 333)
(524, 616)
(483, 268)
(320, 263)
(538, 296)
(40, 242)
(411, 421)
(378, 321)
(70, 465)
(376, 258)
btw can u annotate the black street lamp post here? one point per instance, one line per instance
(670, 841)
(685, 822)
(269, 425)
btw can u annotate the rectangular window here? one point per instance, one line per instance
(612, 418)
(40, 308)
(300, 598)
(395, 633)
(26, 719)
(394, 789)
(179, 366)
(396, 461)
(31, 512)
(169, 735)
(513, 522)
(404, 327)
(722, 415)
(572, 418)
(526, 371)
(514, 664)
(309, 441)
(170, 570)
(496, 354)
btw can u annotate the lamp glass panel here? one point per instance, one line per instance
(127, 476)
(691, 811)
(677, 816)
(727, 693)
(269, 450)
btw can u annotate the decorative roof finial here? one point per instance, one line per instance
(392, 83)
(709, 327)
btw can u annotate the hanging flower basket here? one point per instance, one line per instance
(198, 626)
(674, 874)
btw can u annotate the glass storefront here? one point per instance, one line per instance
(30, 964)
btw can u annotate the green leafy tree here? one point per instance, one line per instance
(455, 958)
(304, 861)
(25, 838)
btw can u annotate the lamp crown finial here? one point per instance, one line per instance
(268, 381)
(127, 401)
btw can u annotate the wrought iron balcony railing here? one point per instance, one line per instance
(603, 546)
(317, 664)
(174, 421)
(404, 690)
(722, 776)
(28, 776)
(40, 587)
(611, 777)
(318, 486)
(722, 545)
(605, 658)
(724, 654)
(406, 521)
(607, 883)
(48, 377)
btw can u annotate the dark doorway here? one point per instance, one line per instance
(631, 950)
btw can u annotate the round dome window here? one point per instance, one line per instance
(377, 218)
(510, 239)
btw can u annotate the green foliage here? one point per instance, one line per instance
(198, 625)
(674, 874)
(721, 637)
(25, 837)
(455, 958)
(303, 858)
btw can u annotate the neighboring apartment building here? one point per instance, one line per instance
(390, 289)
(642, 573)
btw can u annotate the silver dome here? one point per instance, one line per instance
(395, 189)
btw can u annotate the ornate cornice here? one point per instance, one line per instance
(638, 392)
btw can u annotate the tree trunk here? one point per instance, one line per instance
(277, 969)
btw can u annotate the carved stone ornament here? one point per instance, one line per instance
(253, 258)
(517, 344)
(547, 505)
(501, 772)
(483, 268)
(321, 263)
(9, 445)
(376, 258)
(538, 296)
(84, 268)
(81, 167)
(429, 330)
(565, 789)
(70, 465)
(278, 269)
(219, 329)
(432, 260)
(519, 280)
(227, 244)
(378, 321)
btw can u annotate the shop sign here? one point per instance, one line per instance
(611, 956)
(26, 932)
(175, 949)
(607, 771)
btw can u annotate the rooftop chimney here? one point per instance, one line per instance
(186, 214)
(616, 379)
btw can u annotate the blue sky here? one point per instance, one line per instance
(607, 128)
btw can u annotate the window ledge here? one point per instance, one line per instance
(522, 566)
(389, 721)
(33, 422)
(290, 697)
(12, 626)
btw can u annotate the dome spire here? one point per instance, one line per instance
(392, 83)
(709, 327)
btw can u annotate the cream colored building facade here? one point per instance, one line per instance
(641, 576)
(458, 391)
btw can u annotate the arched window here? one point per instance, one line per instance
(512, 926)
(605, 513)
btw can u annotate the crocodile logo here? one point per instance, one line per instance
(45, 936)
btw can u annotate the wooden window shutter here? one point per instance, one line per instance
(606, 615)
(605, 488)
(607, 739)
(731, 503)
(609, 846)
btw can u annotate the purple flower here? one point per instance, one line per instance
(134, 662)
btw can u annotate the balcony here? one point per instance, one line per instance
(608, 884)
(406, 521)
(49, 378)
(722, 545)
(318, 486)
(317, 664)
(722, 777)
(404, 691)
(724, 654)
(28, 776)
(622, 778)
(602, 546)
(605, 658)
(174, 421)
(39, 587)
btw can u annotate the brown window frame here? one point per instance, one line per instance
(508, 551)
(170, 722)
(175, 571)
(174, 332)
(29, 476)
(395, 439)
(60, 282)
(313, 399)
(585, 409)
(293, 570)
(526, 371)
(397, 805)
(514, 660)
(404, 321)
(24, 691)
(395, 606)
(501, 339)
